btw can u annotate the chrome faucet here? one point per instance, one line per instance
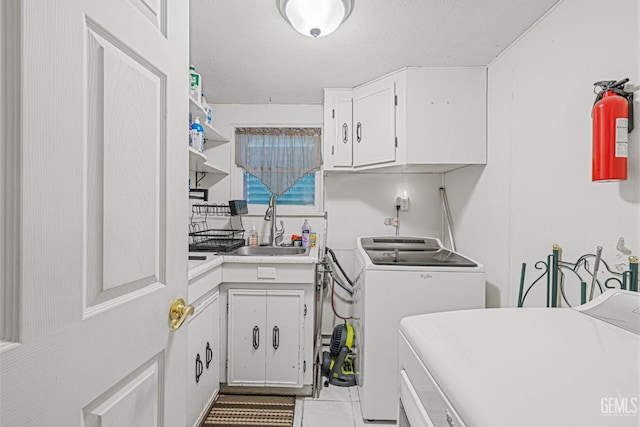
(276, 236)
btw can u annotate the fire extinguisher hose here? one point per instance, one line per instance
(616, 87)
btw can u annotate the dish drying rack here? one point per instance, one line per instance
(205, 239)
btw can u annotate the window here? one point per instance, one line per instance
(280, 161)
(303, 192)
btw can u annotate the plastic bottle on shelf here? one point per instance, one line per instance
(197, 134)
(208, 111)
(195, 89)
(253, 237)
(306, 231)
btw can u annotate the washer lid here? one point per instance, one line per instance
(400, 243)
(438, 258)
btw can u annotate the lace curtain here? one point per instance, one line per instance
(278, 157)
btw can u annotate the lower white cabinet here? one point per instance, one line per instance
(203, 361)
(266, 337)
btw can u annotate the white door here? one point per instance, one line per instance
(101, 214)
(247, 336)
(285, 326)
(374, 123)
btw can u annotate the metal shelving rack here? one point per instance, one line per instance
(205, 239)
(585, 270)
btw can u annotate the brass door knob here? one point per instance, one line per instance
(178, 313)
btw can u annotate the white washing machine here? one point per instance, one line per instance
(526, 367)
(398, 277)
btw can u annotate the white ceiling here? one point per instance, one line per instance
(248, 54)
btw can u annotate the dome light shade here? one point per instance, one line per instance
(315, 18)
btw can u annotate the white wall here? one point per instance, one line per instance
(536, 189)
(357, 204)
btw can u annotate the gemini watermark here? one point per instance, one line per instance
(619, 406)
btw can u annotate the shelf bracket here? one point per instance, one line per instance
(199, 180)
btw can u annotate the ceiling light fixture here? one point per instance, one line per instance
(315, 18)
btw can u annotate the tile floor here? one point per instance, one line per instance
(336, 407)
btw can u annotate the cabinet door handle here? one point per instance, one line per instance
(256, 337)
(276, 337)
(208, 355)
(345, 133)
(359, 132)
(198, 367)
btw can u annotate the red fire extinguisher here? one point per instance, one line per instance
(612, 115)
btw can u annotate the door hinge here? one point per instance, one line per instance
(333, 114)
(395, 100)
(304, 366)
(396, 142)
(305, 309)
(228, 303)
(332, 150)
(226, 364)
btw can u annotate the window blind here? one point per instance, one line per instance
(302, 193)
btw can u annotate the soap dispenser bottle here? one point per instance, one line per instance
(306, 232)
(253, 236)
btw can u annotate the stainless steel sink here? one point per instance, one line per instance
(270, 251)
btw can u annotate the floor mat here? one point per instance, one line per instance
(251, 411)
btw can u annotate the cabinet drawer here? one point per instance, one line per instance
(438, 409)
(268, 273)
(204, 283)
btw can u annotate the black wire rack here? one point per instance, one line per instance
(205, 239)
(216, 240)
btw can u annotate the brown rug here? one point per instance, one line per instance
(251, 411)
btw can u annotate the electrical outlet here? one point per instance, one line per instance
(403, 202)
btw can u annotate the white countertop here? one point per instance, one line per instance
(198, 267)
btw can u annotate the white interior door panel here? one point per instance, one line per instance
(101, 216)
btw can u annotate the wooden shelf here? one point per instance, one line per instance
(198, 162)
(210, 132)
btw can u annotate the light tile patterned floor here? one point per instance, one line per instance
(336, 407)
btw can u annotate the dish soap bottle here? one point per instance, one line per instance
(306, 231)
(253, 237)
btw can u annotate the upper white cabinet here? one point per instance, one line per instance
(415, 119)
(338, 129)
(374, 121)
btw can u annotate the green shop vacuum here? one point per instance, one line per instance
(337, 364)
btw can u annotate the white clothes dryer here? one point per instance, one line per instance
(526, 367)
